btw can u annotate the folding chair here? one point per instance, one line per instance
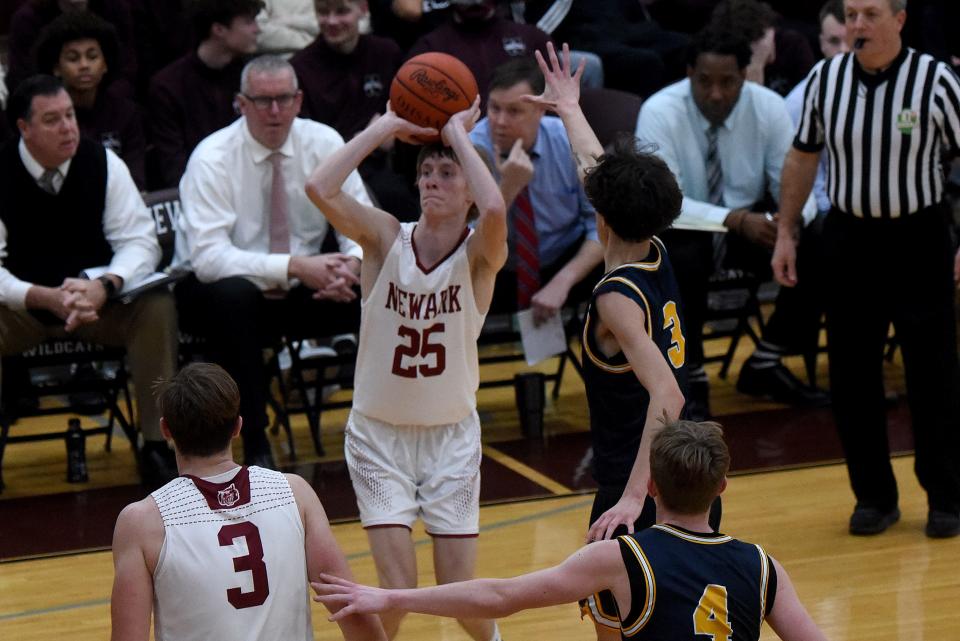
(58, 354)
(165, 207)
(741, 287)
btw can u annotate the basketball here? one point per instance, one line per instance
(430, 88)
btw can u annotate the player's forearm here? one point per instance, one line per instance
(664, 405)
(328, 178)
(476, 599)
(799, 173)
(583, 141)
(486, 192)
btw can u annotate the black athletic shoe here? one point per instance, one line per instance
(866, 521)
(942, 525)
(774, 380)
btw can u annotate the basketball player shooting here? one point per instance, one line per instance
(412, 440)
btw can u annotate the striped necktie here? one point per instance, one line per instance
(527, 248)
(714, 170)
(47, 181)
(279, 225)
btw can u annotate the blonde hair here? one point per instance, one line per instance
(688, 462)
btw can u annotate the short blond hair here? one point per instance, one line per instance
(688, 462)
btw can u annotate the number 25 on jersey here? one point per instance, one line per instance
(416, 355)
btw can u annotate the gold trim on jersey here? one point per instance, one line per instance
(644, 617)
(764, 579)
(693, 538)
(597, 360)
(649, 265)
(593, 609)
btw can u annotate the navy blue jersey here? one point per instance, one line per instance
(618, 402)
(686, 584)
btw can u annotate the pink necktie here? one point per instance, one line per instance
(527, 249)
(279, 227)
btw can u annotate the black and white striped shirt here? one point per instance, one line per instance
(884, 132)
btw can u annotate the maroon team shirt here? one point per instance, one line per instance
(484, 46)
(346, 90)
(188, 101)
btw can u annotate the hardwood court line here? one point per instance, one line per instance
(526, 471)
(54, 610)
(542, 514)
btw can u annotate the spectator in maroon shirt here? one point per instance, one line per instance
(482, 39)
(405, 21)
(345, 78)
(163, 34)
(194, 96)
(33, 15)
(81, 49)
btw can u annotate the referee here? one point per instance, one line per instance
(886, 113)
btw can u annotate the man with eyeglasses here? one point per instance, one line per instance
(254, 242)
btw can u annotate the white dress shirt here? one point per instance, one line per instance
(224, 229)
(752, 143)
(127, 226)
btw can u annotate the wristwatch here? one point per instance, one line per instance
(108, 285)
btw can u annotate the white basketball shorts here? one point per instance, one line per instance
(400, 472)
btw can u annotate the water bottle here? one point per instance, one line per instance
(76, 452)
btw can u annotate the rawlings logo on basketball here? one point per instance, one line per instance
(435, 88)
(229, 496)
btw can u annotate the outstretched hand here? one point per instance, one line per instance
(562, 86)
(465, 119)
(625, 512)
(345, 598)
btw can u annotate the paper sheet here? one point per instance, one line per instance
(543, 341)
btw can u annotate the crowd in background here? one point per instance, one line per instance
(164, 77)
(161, 84)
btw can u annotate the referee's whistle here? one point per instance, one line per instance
(858, 43)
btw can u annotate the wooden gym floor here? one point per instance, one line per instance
(788, 493)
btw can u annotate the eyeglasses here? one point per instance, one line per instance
(284, 101)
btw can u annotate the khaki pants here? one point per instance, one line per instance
(146, 328)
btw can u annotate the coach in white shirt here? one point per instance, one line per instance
(725, 139)
(255, 242)
(69, 206)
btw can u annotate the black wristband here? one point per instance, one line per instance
(108, 285)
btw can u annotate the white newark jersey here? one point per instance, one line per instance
(417, 358)
(232, 565)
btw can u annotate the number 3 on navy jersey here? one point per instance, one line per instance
(677, 352)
